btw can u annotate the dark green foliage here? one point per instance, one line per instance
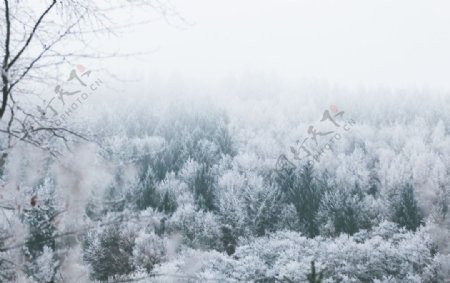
(224, 140)
(264, 210)
(406, 212)
(443, 202)
(203, 189)
(228, 240)
(114, 196)
(7, 267)
(109, 255)
(203, 138)
(42, 230)
(162, 227)
(345, 219)
(268, 280)
(343, 208)
(170, 159)
(305, 193)
(168, 205)
(3, 158)
(374, 183)
(313, 277)
(146, 195)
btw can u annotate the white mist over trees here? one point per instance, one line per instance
(258, 178)
(184, 189)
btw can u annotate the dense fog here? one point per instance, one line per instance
(233, 151)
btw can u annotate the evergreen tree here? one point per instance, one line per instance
(406, 211)
(203, 189)
(109, 252)
(305, 193)
(3, 159)
(145, 195)
(313, 277)
(7, 267)
(342, 209)
(228, 240)
(168, 205)
(41, 242)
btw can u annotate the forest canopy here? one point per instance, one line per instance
(187, 189)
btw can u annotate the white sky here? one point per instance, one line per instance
(392, 43)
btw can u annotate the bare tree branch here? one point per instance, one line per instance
(40, 56)
(32, 33)
(4, 71)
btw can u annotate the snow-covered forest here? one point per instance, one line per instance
(188, 189)
(257, 141)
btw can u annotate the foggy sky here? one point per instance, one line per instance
(353, 43)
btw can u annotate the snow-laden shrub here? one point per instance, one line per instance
(46, 266)
(383, 254)
(200, 229)
(149, 249)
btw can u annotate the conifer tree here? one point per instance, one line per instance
(406, 211)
